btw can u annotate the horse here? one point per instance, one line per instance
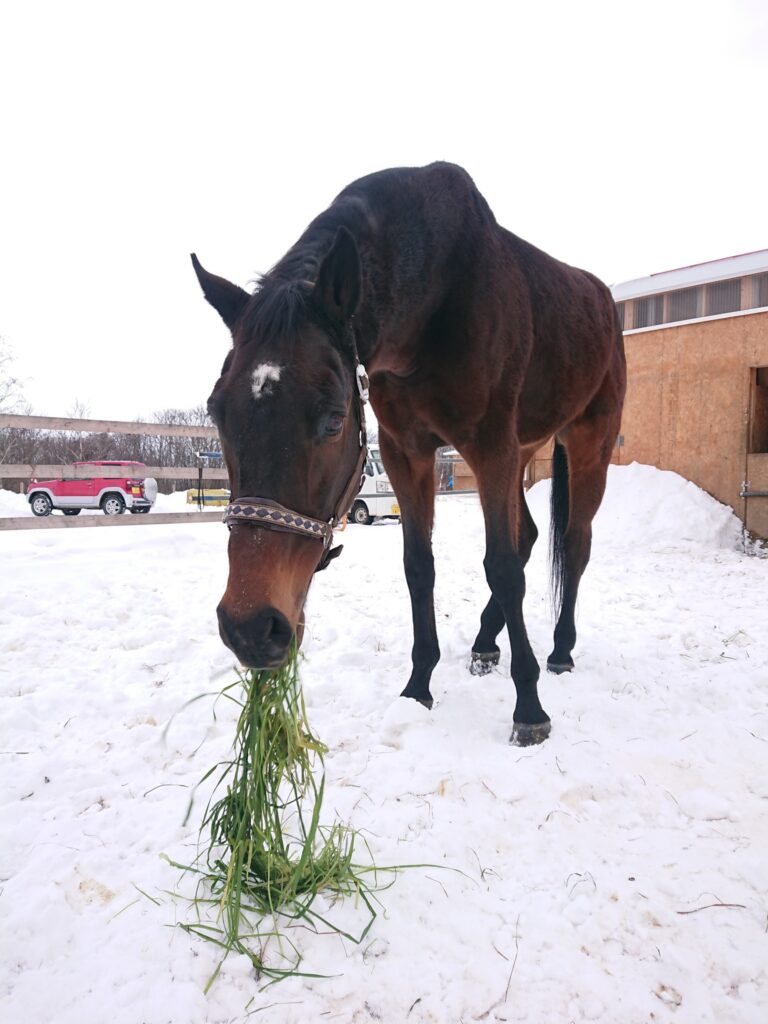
(406, 288)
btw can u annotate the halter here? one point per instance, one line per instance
(270, 514)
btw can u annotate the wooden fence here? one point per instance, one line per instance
(453, 476)
(47, 472)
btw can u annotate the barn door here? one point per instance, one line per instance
(755, 490)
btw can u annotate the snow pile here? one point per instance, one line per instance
(660, 509)
(654, 509)
(13, 504)
(617, 873)
(177, 502)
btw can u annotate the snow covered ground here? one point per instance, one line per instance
(617, 873)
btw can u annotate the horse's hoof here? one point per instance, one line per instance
(427, 702)
(559, 667)
(482, 663)
(527, 735)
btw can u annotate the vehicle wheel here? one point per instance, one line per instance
(112, 505)
(41, 505)
(71, 511)
(360, 514)
(139, 511)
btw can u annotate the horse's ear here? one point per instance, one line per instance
(226, 298)
(339, 280)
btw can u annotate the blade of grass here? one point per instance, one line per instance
(262, 852)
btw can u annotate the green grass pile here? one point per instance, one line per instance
(264, 856)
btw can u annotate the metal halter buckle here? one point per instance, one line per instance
(362, 382)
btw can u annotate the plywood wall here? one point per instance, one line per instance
(688, 406)
(688, 400)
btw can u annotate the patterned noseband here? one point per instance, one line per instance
(259, 512)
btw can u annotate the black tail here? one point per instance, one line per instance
(559, 511)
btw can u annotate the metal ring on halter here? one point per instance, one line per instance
(362, 382)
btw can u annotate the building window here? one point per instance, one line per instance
(758, 411)
(648, 311)
(723, 297)
(683, 304)
(695, 303)
(760, 291)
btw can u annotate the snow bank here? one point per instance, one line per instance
(13, 504)
(177, 502)
(654, 509)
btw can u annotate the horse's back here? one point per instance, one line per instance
(482, 298)
(438, 204)
(575, 343)
(438, 178)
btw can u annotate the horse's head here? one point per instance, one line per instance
(288, 411)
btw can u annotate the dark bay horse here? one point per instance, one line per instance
(470, 337)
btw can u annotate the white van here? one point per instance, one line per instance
(376, 499)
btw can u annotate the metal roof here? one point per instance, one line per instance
(699, 273)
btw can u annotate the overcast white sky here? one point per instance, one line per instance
(626, 138)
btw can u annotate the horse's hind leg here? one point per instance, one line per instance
(485, 651)
(588, 443)
(495, 465)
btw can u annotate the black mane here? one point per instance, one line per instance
(281, 303)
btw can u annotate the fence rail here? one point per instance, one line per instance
(27, 471)
(104, 426)
(74, 523)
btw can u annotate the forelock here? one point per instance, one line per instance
(277, 310)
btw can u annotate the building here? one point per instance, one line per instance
(697, 365)
(697, 380)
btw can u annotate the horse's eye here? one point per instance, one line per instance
(333, 425)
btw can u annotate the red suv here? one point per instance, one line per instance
(121, 486)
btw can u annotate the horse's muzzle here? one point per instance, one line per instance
(261, 641)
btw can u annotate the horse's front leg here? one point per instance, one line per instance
(503, 507)
(413, 478)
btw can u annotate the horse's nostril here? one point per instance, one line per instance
(280, 631)
(260, 641)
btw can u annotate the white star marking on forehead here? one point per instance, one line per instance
(263, 377)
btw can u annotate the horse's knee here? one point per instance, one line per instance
(505, 576)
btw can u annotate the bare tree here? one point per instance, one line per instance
(11, 396)
(61, 447)
(11, 400)
(77, 441)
